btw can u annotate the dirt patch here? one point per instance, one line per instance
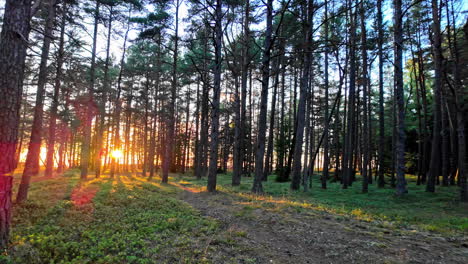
(265, 234)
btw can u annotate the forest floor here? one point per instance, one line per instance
(129, 219)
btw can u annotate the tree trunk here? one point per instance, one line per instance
(262, 118)
(381, 180)
(365, 132)
(239, 144)
(99, 153)
(269, 154)
(31, 166)
(436, 138)
(118, 105)
(300, 119)
(212, 170)
(398, 73)
(171, 122)
(14, 42)
(85, 146)
(55, 100)
(349, 136)
(326, 158)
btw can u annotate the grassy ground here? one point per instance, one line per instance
(131, 220)
(125, 220)
(440, 211)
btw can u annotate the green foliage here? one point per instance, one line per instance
(125, 220)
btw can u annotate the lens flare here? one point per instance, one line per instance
(116, 154)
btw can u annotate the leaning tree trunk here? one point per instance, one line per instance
(31, 167)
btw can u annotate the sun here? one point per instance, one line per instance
(116, 154)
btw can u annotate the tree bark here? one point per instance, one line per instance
(436, 138)
(398, 73)
(13, 43)
(262, 118)
(86, 145)
(212, 170)
(31, 166)
(300, 119)
(55, 100)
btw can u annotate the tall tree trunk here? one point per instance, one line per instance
(239, 146)
(300, 119)
(326, 158)
(13, 43)
(398, 68)
(436, 138)
(200, 169)
(269, 154)
(212, 170)
(349, 136)
(171, 122)
(381, 181)
(118, 104)
(262, 118)
(85, 146)
(31, 166)
(55, 100)
(99, 153)
(365, 132)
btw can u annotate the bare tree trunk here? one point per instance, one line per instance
(262, 118)
(436, 138)
(269, 154)
(118, 105)
(171, 122)
(365, 132)
(326, 158)
(31, 166)
(239, 146)
(102, 113)
(14, 41)
(202, 155)
(85, 146)
(212, 170)
(55, 100)
(398, 68)
(381, 180)
(349, 136)
(299, 138)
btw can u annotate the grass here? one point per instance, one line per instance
(122, 220)
(131, 220)
(439, 212)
